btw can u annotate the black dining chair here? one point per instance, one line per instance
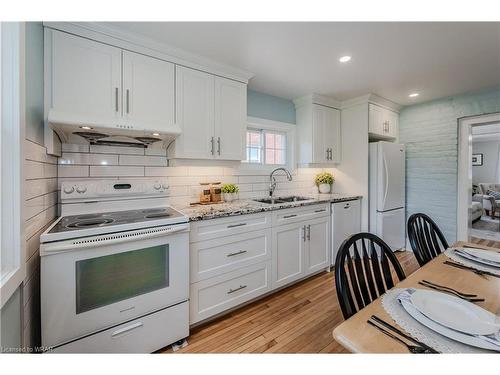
(363, 271)
(426, 239)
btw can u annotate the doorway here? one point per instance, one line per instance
(478, 174)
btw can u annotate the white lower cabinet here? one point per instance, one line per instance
(318, 245)
(217, 294)
(237, 259)
(288, 253)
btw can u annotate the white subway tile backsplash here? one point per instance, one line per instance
(34, 188)
(206, 171)
(166, 171)
(115, 171)
(156, 151)
(252, 179)
(88, 159)
(73, 171)
(143, 160)
(71, 147)
(120, 150)
(35, 170)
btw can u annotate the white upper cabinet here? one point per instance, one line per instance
(230, 119)
(319, 128)
(382, 123)
(195, 114)
(211, 111)
(148, 95)
(85, 79)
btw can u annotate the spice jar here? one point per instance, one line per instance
(205, 194)
(215, 192)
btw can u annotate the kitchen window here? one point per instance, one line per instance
(268, 143)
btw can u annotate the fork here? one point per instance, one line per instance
(452, 292)
(412, 348)
(451, 289)
(458, 265)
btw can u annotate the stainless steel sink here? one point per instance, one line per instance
(293, 198)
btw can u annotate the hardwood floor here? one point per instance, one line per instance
(298, 319)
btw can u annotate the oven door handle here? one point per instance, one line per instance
(111, 239)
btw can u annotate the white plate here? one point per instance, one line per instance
(451, 334)
(492, 256)
(455, 313)
(480, 257)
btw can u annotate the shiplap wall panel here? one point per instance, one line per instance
(430, 133)
(40, 210)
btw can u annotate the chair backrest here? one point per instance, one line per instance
(484, 187)
(363, 271)
(426, 240)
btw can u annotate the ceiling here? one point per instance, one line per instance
(388, 59)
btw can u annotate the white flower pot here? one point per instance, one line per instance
(325, 188)
(229, 197)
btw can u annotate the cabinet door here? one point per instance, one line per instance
(230, 119)
(320, 121)
(148, 92)
(289, 242)
(376, 120)
(318, 245)
(85, 79)
(332, 134)
(392, 119)
(195, 114)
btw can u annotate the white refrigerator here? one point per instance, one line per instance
(387, 193)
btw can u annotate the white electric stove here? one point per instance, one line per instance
(115, 269)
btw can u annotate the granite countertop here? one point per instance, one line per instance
(248, 206)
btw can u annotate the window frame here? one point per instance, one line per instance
(12, 113)
(255, 123)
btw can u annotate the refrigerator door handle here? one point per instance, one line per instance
(386, 180)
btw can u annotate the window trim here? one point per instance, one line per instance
(256, 123)
(12, 112)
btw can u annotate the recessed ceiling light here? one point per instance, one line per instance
(86, 127)
(413, 95)
(345, 59)
(156, 134)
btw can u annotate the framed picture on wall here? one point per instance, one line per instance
(477, 160)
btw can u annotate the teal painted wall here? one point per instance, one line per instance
(270, 107)
(430, 133)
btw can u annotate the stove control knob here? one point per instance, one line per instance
(165, 186)
(81, 189)
(69, 189)
(157, 186)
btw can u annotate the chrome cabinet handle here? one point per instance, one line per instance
(235, 290)
(309, 232)
(126, 329)
(212, 143)
(327, 154)
(218, 145)
(304, 233)
(128, 100)
(237, 253)
(116, 99)
(236, 225)
(289, 216)
(322, 210)
(347, 206)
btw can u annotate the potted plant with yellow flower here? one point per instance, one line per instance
(324, 182)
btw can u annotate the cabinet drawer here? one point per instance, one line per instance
(214, 257)
(298, 214)
(215, 228)
(143, 335)
(212, 296)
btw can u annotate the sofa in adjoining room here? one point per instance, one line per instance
(490, 194)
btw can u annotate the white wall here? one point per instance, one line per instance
(486, 172)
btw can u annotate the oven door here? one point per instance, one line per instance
(94, 283)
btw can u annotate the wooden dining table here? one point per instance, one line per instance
(357, 336)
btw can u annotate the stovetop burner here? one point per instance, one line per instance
(90, 223)
(116, 218)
